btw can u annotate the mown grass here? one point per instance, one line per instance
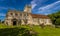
(14, 30)
(47, 31)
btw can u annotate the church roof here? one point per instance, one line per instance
(39, 16)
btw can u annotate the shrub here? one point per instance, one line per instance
(16, 31)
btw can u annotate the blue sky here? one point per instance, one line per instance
(38, 6)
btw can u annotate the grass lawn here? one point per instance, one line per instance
(47, 31)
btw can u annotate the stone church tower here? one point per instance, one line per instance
(27, 9)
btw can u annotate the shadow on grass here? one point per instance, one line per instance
(15, 32)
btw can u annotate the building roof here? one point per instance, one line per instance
(39, 16)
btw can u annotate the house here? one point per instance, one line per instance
(15, 17)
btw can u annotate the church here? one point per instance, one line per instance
(15, 17)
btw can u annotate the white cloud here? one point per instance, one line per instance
(45, 9)
(48, 9)
(49, 6)
(33, 4)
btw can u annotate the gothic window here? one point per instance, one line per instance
(11, 13)
(42, 20)
(16, 14)
(34, 19)
(20, 14)
(26, 14)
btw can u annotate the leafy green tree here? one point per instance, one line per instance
(57, 21)
(55, 17)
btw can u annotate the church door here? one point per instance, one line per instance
(14, 22)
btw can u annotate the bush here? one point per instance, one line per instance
(17, 31)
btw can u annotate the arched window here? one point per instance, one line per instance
(20, 14)
(11, 13)
(16, 14)
(26, 14)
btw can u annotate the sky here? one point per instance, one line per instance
(44, 7)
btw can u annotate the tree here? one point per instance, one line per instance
(57, 21)
(55, 17)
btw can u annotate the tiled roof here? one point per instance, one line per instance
(39, 16)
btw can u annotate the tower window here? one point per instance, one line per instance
(24, 14)
(11, 13)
